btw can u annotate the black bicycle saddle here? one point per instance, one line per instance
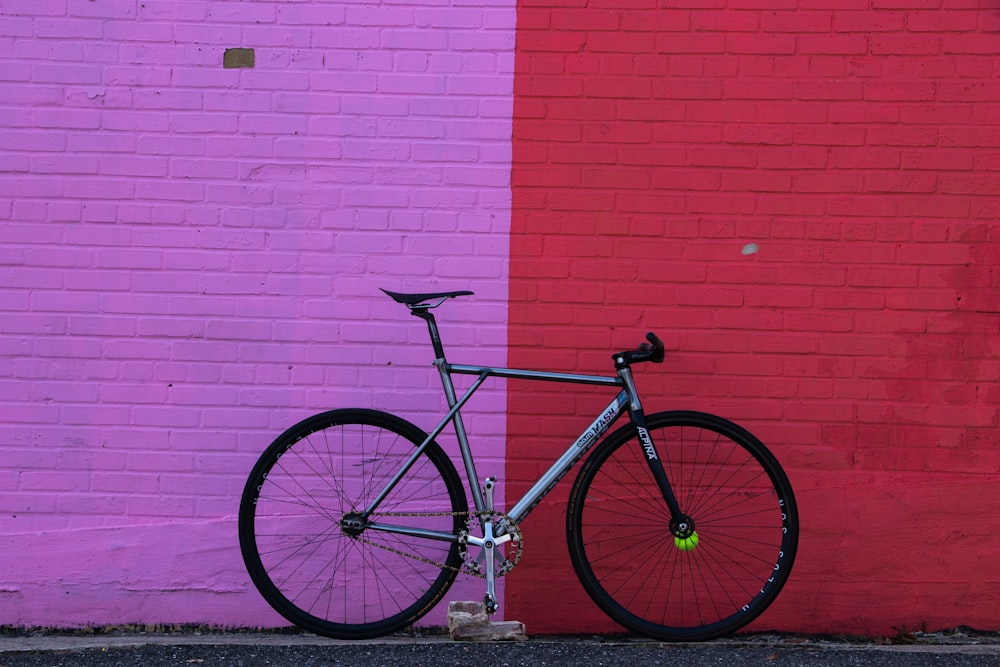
(414, 299)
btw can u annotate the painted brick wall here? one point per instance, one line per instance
(190, 258)
(800, 196)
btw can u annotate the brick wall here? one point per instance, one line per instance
(190, 257)
(800, 197)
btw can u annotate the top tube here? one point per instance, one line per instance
(519, 374)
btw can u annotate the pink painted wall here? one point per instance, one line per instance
(190, 258)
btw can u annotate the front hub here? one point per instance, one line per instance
(682, 527)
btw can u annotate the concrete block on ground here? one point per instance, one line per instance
(469, 622)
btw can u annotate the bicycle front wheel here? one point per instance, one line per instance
(314, 557)
(738, 501)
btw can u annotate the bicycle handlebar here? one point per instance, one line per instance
(651, 351)
(656, 348)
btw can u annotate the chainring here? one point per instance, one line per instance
(509, 552)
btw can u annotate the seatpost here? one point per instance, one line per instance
(427, 316)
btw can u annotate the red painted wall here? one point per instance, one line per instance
(855, 144)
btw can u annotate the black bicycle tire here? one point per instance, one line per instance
(760, 593)
(264, 468)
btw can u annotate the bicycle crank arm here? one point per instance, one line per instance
(489, 543)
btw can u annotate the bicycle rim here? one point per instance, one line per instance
(299, 555)
(744, 516)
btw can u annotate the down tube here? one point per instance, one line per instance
(569, 458)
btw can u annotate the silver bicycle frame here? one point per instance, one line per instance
(496, 533)
(627, 399)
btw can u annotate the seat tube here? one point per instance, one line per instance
(463, 439)
(449, 392)
(638, 418)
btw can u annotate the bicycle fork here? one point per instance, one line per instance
(681, 525)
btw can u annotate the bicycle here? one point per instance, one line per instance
(681, 525)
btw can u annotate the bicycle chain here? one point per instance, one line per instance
(467, 566)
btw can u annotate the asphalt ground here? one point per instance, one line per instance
(211, 649)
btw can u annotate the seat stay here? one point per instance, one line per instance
(453, 413)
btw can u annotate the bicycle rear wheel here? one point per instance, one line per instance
(315, 560)
(743, 513)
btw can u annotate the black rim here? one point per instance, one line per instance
(306, 557)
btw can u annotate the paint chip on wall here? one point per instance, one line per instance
(234, 58)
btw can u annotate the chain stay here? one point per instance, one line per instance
(508, 523)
